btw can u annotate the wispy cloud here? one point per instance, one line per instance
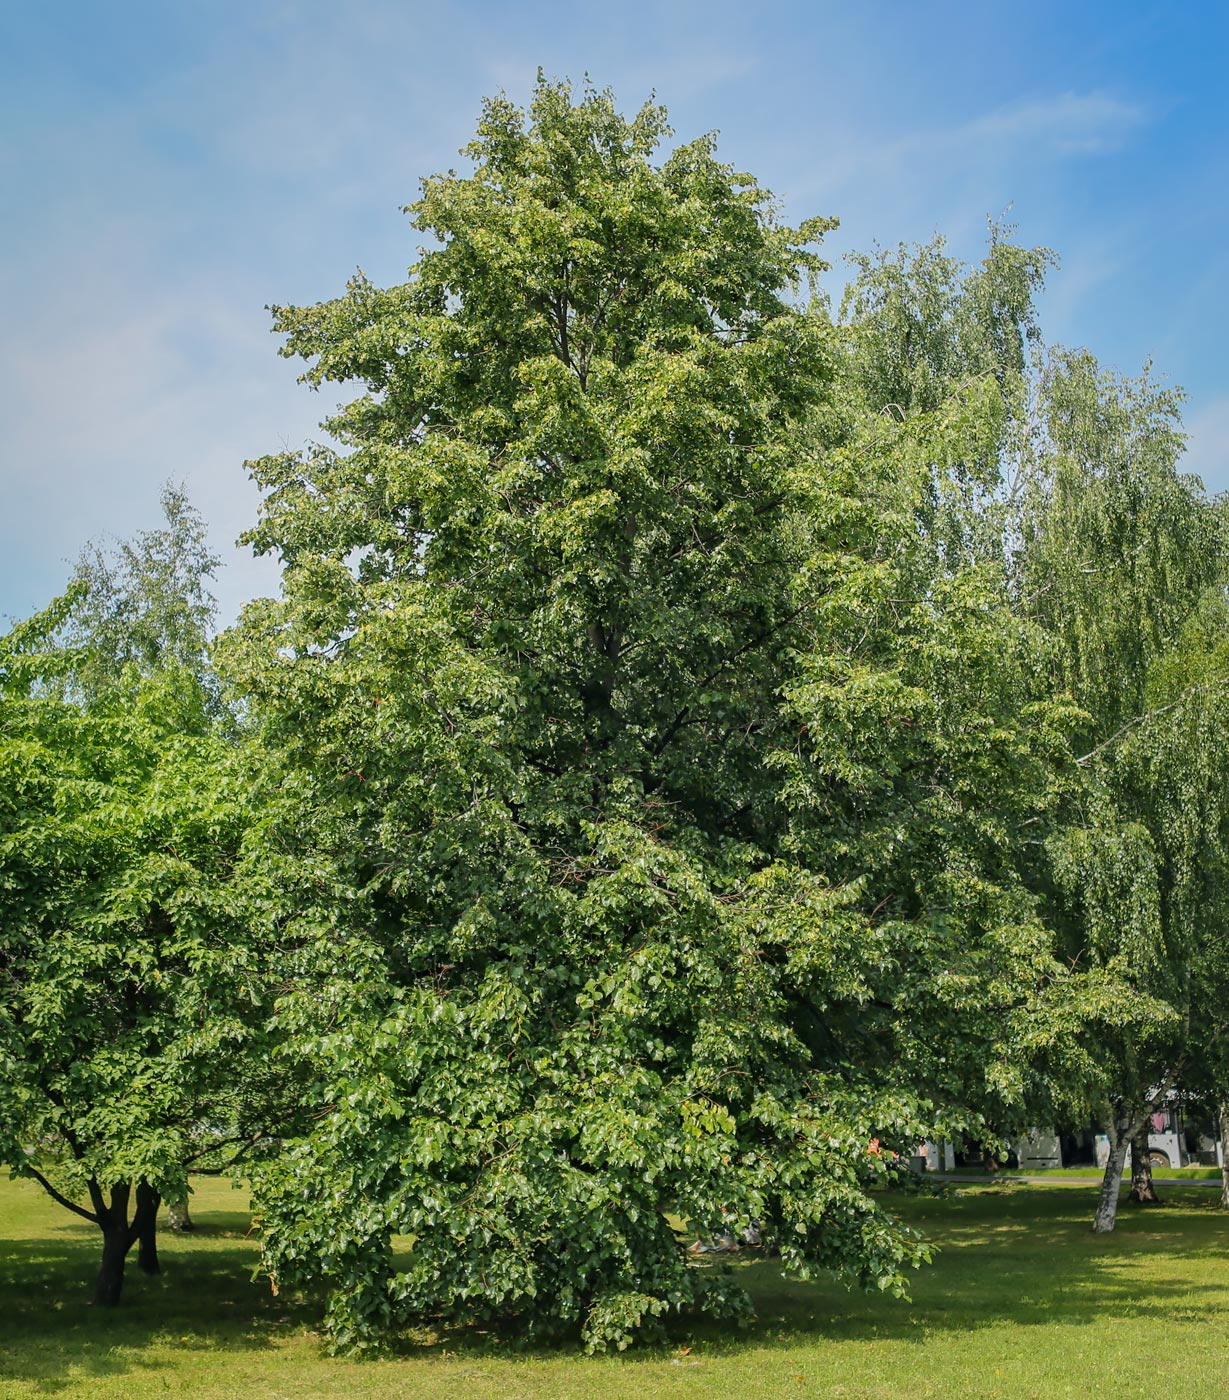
(1207, 449)
(1034, 131)
(112, 392)
(1067, 124)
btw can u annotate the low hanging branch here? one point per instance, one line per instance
(28, 1169)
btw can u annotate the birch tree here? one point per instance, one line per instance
(1122, 560)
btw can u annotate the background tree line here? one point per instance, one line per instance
(707, 742)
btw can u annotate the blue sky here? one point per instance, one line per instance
(167, 169)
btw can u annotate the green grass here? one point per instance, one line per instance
(1093, 1173)
(1023, 1300)
(1158, 1173)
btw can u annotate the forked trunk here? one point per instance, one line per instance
(1224, 1156)
(1143, 1192)
(1107, 1204)
(118, 1237)
(116, 1241)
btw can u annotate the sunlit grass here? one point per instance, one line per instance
(1023, 1300)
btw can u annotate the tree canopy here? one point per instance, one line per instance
(674, 776)
(1122, 561)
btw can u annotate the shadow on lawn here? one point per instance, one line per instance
(204, 1300)
(1023, 1256)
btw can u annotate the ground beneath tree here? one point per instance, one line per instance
(1023, 1300)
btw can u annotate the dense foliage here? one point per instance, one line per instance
(675, 774)
(134, 948)
(1123, 561)
(704, 746)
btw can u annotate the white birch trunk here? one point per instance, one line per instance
(1111, 1182)
(1224, 1156)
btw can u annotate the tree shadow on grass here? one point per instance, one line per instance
(205, 1299)
(1019, 1257)
(1024, 1256)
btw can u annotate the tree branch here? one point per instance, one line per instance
(246, 1144)
(1136, 720)
(56, 1196)
(760, 637)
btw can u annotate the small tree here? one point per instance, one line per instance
(142, 606)
(131, 972)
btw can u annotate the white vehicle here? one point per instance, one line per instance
(1173, 1141)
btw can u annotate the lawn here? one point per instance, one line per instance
(1023, 1300)
(1091, 1173)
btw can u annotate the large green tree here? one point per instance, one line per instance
(660, 763)
(1065, 491)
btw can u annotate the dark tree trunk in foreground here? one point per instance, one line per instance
(1107, 1203)
(119, 1235)
(145, 1228)
(116, 1241)
(1224, 1156)
(111, 1275)
(1142, 1190)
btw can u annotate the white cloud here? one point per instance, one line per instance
(114, 389)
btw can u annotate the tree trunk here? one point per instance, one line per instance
(1224, 1156)
(1107, 1205)
(116, 1241)
(111, 1274)
(1142, 1190)
(145, 1228)
(177, 1216)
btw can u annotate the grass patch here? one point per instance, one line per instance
(1022, 1301)
(1158, 1173)
(1089, 1173)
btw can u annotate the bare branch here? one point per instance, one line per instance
(1137, 720)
